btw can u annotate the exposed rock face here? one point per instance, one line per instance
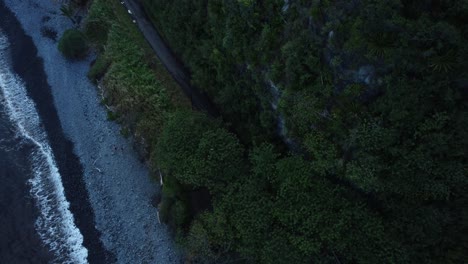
(365, 74)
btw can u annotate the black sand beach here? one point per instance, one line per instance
(29, 67)
(117, 183)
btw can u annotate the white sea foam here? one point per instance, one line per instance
(55, 224)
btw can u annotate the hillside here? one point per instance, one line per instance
(343, 129)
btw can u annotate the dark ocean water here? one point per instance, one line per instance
(19, 241)
(35, 211)
(45, 215)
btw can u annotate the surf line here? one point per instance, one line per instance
(55, 224)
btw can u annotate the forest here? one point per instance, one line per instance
(343, 128)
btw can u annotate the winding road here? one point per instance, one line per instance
(178, 71)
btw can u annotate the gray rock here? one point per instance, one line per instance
(365, 74)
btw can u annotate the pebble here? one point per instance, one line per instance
(118, 210)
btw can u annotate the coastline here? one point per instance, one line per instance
(29, 67)
(19, 240)
(116, 182)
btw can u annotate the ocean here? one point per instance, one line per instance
(19, 241)
(40, 223)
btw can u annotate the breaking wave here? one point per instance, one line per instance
(55, 223)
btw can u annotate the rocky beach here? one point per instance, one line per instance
(106, 184)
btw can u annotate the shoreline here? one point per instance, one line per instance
(26, 63)
(117, 183)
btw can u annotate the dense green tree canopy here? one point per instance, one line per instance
(372, 95)
(198, 152)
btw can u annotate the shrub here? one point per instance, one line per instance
(198, 243)
(99, 68)
(112, 116)
(73, 44)
(179, 213)
(98, 23)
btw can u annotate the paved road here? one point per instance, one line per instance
(199, 100)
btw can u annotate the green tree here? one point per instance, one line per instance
(199, 153)
(319, 217)
(73, 44)
(386, 153)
